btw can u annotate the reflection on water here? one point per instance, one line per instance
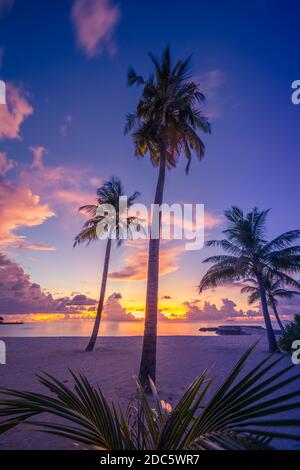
(108, 328)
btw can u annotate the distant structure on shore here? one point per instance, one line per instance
(235, 329)
(3, 322)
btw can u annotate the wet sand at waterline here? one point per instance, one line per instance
(112, 366)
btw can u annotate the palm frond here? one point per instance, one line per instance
(240, 415)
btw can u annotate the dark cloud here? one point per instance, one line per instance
(18, 294)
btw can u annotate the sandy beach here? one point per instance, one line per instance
(112, 366)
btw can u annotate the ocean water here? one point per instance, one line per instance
(109, 328)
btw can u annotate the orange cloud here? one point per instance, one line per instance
(14, 112)
(62, 189)
(94, 22)
(60, 184)
(137, 258)
(19, 207)
(113, 310)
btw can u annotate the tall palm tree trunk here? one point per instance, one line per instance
(269, 328)
(93, 338)
(274, 308)
(148, 360)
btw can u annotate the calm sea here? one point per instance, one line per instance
(108, 328)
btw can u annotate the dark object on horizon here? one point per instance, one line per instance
(210, 328)
(230, 330)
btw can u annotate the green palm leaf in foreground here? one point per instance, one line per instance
(241, 414)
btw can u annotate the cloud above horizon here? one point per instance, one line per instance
(94, 22)
(136, 259)
(64, 186)
(19, 207)
(36, 192)
(209, 311)
(13, 114)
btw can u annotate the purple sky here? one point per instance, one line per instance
(61, 135)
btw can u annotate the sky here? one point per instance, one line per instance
(61, 136)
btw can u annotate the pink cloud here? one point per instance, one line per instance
(60, 185)
(113, 310)
(197, 311)
(20, 295)
(5, 163)
(19, 207)
(136, 262)
(38, 153)
(23, 244)
(14, 112)
(94, 22)
(37, 192)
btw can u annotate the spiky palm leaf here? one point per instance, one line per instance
(241, 414)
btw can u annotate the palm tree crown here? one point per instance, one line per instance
(167, 113)
(165, 124)
(108, 194)
(111, 222)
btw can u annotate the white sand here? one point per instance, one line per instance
(113, 364)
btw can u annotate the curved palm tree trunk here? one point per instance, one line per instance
(274, 308)
(148, 360)
(269, 328)
(93, 338)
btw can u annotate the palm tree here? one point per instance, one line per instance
(251, 256)
(164, 124)
(242, 414)
(108, 195)
(274, 289)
